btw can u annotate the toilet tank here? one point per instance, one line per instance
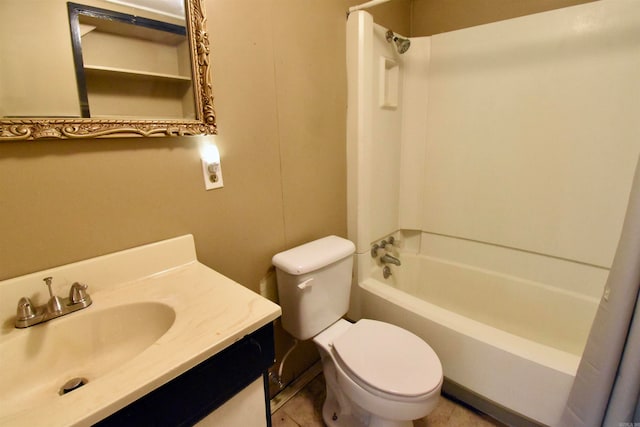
(314, 283)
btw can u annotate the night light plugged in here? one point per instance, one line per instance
(211, 169)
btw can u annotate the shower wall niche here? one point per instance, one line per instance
(389, 79)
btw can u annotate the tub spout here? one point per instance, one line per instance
(390, 259)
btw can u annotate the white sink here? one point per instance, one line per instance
(156, 313)
(37, 361)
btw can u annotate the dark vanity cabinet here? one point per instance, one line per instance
(190, 398)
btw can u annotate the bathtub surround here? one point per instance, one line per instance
(508, 158)
(607, 386)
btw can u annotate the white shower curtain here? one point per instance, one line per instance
(606, 390)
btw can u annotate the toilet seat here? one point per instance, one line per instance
(388, 361)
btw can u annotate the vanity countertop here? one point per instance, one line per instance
(211, 313)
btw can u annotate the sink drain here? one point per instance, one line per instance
(72, 384)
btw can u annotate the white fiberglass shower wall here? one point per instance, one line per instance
(507, 150)
(387, 110)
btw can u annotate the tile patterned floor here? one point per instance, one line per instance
(305, 410)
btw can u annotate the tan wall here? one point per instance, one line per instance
(280, 96)
(418, 18)
(395, 14)
(438, 16)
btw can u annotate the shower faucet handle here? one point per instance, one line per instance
(374, 250)
(389, 241)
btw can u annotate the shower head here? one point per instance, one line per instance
(401, 43)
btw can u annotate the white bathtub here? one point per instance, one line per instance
(514, 342)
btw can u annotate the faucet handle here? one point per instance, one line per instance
(25, 309)
(389, 241)
(374, 250)
(27, 314)
(55, 303)
(78, 294)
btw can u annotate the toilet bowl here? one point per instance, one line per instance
(377, 374)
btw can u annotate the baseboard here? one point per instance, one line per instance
(295, 386)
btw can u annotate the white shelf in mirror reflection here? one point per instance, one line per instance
(101, 69)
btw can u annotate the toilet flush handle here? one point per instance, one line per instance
(306, 284)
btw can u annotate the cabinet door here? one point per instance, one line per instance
(244, 409)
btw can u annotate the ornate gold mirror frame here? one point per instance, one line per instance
(17, 129)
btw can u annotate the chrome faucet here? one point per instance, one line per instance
(389, 241)
(28, 315)
(390, 259)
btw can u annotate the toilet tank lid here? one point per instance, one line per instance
(313, 255)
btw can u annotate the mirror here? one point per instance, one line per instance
(103, 68)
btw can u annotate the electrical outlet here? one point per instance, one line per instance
(212, 172)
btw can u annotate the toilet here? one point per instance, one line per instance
(377, 374)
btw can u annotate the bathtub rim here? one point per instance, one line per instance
(484, 270)
(542, 354)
